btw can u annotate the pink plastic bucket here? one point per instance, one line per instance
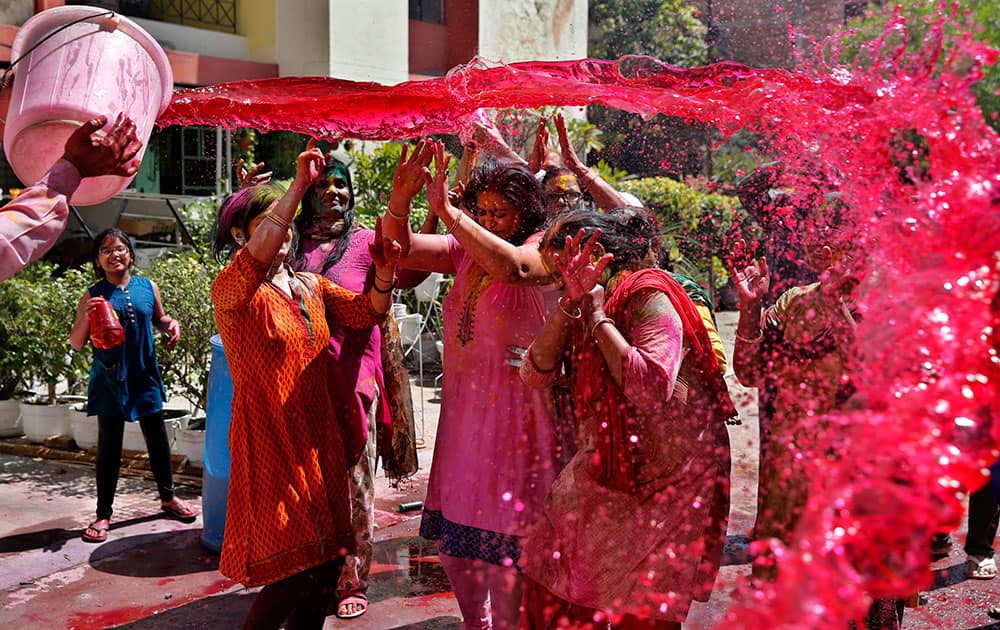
(103, 65)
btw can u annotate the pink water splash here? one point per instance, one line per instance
(928, 382)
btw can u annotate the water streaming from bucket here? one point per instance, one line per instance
(929, 376)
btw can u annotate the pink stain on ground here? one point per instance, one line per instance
(928, 379)
(126, 614)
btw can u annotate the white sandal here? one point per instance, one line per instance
(980, 568)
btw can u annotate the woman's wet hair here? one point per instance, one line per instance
(627, 233)
(305, 218)
(517, 185)
(95, 252)
(238, 211)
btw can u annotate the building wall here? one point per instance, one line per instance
(302, 38)
(436, 48)
(255, 20)
(359, 41)
(522, 30)
(16, 12)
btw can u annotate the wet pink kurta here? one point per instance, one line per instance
(648, 552)
(496, 453)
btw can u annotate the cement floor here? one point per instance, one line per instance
(154, 573)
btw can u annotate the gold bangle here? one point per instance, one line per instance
(455, 224)
(562, 308)
(598, 323)
(388, 210)
(282, 223)
(754, 340)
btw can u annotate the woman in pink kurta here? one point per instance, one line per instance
(633, 528)
(497, 450)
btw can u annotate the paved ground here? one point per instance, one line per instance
(154, 573)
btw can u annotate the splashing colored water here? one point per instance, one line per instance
(929, 374)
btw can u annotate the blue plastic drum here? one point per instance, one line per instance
(215, 474)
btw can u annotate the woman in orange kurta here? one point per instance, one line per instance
(288, 522)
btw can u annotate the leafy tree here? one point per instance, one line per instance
(668, 30)
(696, 227)
(859, 38)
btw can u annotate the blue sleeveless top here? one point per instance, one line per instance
(125, 380)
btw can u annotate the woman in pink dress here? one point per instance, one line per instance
(497, 449)
(633, 528)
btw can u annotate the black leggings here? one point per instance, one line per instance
(301, 599)
(111, 430)
(984, 515)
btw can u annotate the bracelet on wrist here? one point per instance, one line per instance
(575, 315)
(280, 222)
(449, 230)
(389, 281)
(759, 336)
(398, 217)
(386, 290)
(599, 323)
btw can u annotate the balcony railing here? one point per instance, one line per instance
(217, 15)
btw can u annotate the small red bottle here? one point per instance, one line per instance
(106, 331)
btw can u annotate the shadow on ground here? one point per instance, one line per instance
(163, 554)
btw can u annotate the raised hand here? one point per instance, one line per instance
(539, 152)
(94, 152)
(385, 252)
(569, 156)
(252, 176)
(310, 164)
(412, 172)
(437, 189)
(750, 275)
(576, 264)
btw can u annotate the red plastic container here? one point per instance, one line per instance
(106, 331)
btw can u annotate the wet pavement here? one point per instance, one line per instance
(154, 573)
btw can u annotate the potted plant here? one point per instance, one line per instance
(13, 360)
(50, 307)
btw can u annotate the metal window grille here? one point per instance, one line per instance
(220, 14)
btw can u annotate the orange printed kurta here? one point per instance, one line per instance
(289, 507)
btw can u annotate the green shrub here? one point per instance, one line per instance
(697, 227)
(185, 282)
(372, 171)
(45, 322)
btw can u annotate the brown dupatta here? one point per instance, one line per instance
(397, 445)
(594, 388)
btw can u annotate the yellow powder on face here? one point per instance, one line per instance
(565, 183)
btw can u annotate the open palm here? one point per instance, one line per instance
(580, 272)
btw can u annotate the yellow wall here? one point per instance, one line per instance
(255, 21)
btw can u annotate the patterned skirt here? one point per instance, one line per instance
(464, 541)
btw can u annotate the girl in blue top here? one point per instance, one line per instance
(125, 384)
